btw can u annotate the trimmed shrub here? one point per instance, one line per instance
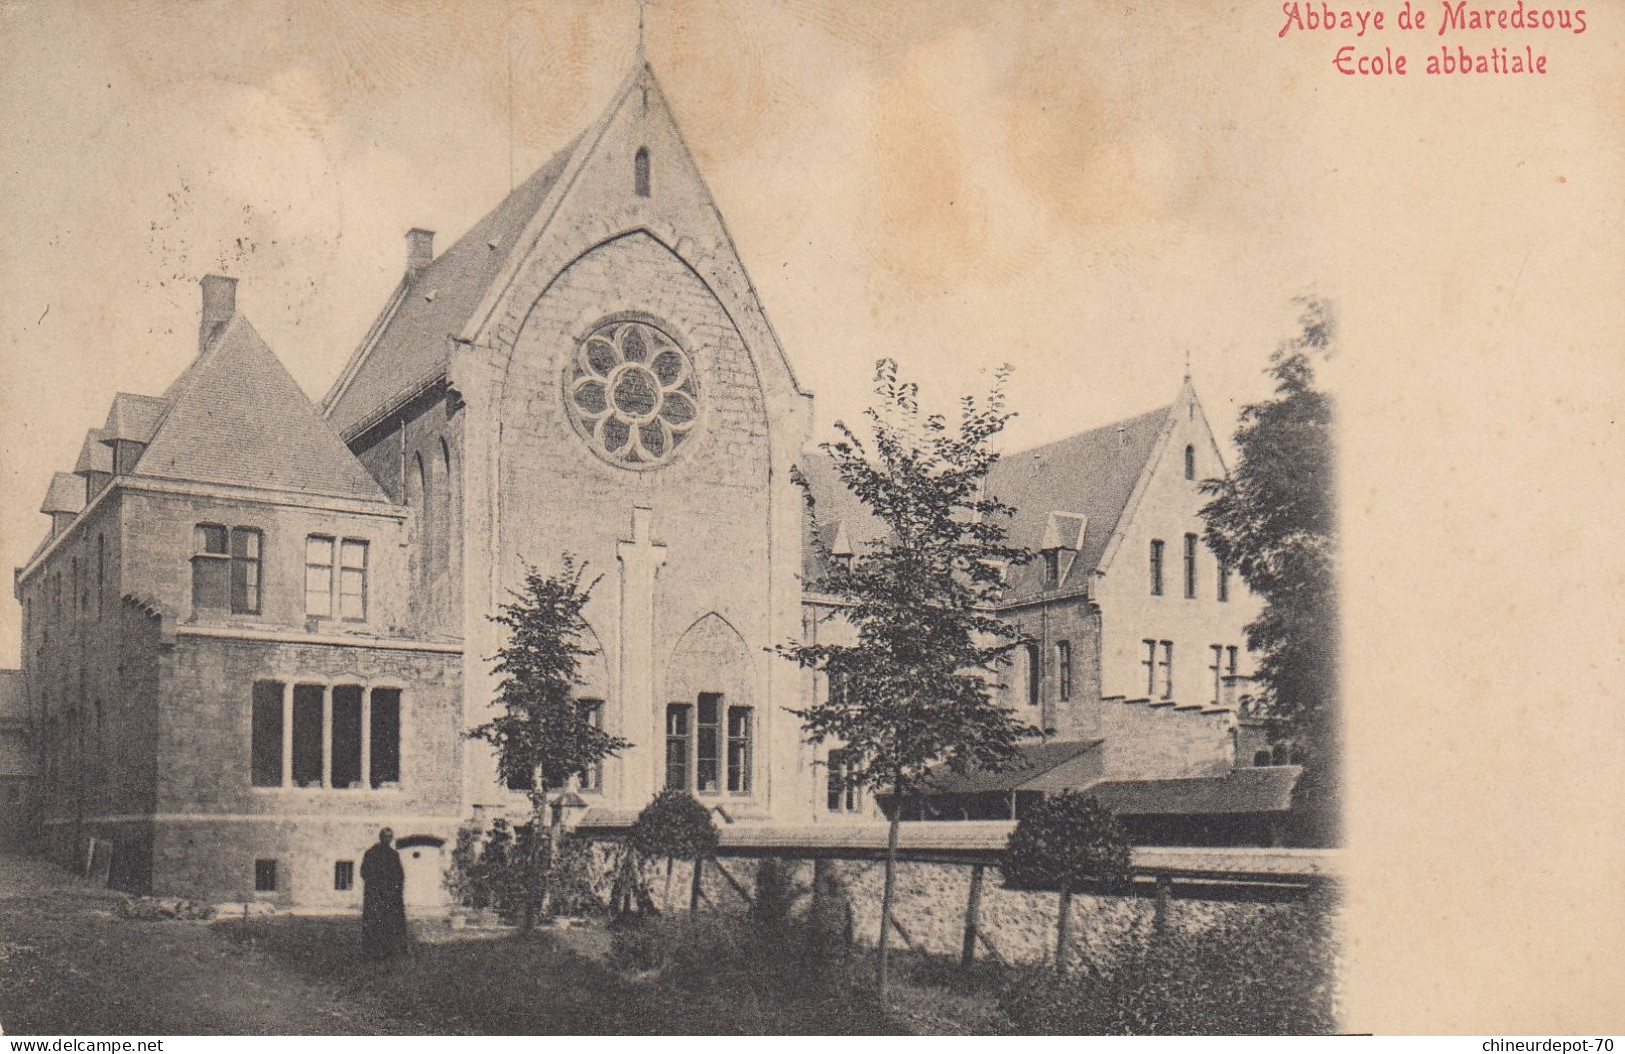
(675, 826)
(1067, 841)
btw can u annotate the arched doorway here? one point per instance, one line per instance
(423, 859)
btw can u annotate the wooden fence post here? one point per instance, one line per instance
(1063, 927)
(1164, 887)
(973, 909)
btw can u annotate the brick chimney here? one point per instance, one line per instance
(419, 250)
(219, 304)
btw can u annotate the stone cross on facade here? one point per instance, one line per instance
(641, 559)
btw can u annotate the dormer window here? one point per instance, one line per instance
(640, 172)
(1063, 532)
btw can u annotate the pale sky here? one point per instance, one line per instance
(949, 185)
(1085, 190)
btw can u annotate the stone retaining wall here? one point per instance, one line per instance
(931, 901)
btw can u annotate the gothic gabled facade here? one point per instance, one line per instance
(588, 371)
(259, 629)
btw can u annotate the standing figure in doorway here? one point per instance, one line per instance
(383, 901)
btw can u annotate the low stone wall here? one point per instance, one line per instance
(931, 900)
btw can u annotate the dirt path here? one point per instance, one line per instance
(69, 966)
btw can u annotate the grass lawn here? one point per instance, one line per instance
(558, 984)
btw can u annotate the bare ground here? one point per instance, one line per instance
(70, 966)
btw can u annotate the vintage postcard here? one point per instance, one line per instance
(809, 516)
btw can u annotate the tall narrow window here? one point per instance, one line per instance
(425, 526)
(1035, 674)
(592, 779)
(1150, 664)
(353, 580)
(841, 789)
(1156, 567)
(1224, 583)
(245, 571)
(640, 172)
(265, 876)
(1063, 669)
(1190, 567)
(386, 737)
(1218, 673)
(678, 736)
(1167, 669)
(739, 750)
(1052, 567)
(319, 576)
(1190, 462)
(266, 736)
(307, 735)
(444, 532)
(707, 749)
(346, 735)
(211, 568)
(839, 688)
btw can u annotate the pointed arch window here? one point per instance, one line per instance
(1190, 462)
(640, 172)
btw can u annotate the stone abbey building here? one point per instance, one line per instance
(258, 629)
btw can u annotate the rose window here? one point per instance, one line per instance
(633, 393)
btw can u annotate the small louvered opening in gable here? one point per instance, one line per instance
(640, 172)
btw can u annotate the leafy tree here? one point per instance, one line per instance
(917, 689)
(1274, 520)
(1066, 842)
(543, 735)
(674, 825)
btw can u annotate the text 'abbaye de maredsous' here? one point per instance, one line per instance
(1506, 40)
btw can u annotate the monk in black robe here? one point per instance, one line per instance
(383, 902)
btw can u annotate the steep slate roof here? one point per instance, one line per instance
(841, 516)
(133, 417)
(94, 455)
(1250, 790)
(412, 339)
(1091, 474)
(240, 419)
(65, 494)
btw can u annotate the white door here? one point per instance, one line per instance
(425, 868)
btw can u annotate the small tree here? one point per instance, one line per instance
(543, 736)
(674, 825)
(917, 687)
(1066, 842)
(1274, 520)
